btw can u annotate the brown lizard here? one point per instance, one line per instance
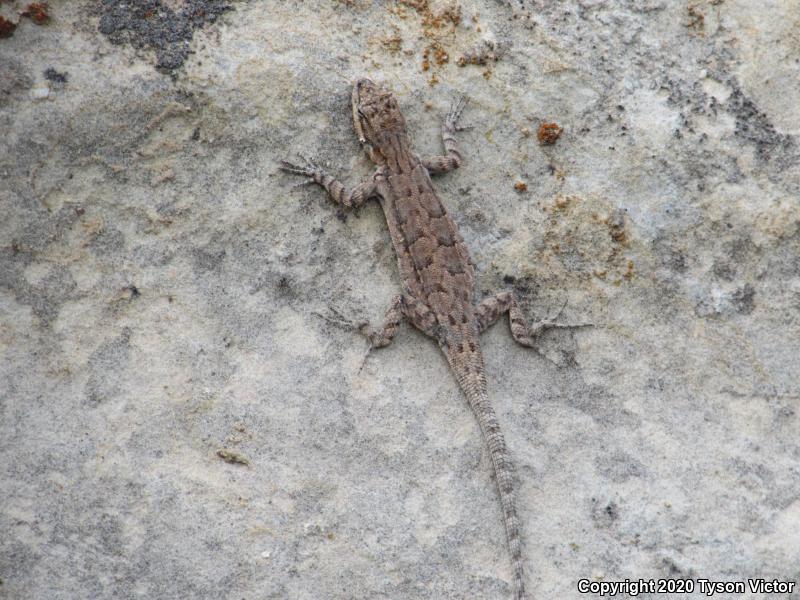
(437, 271)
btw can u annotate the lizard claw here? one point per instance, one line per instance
(306, 167)
(375, 339)
(285, 165)
(454, 114)
(560, 311)
(336, 318)
(368, 351)
(552, 323)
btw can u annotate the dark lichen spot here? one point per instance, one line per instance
(154, 25)
(743, 299)
(755, 127)
(284, 285)
(724, 268)
(106, 367)
(55, 76)
(210, 257)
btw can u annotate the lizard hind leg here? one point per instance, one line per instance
(492, 308)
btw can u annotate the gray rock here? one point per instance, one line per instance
(159, 284)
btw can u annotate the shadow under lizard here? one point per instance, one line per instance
(437, 272)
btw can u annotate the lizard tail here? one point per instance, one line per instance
(473, 382)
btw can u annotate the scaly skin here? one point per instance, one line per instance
(435, 267)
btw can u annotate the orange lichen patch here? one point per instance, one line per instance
(37, 12)
(436, 54)
(484, 53)
(448, 15)
(616, 227)
(6, 27)
(548, 133)
(696, 18)
(438, 26)
(439, 53)
(392, 42)
(619, 235)
(521, 186)
(560, 204)
(629, 270)
(590, 239)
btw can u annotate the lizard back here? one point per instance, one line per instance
(431, 255)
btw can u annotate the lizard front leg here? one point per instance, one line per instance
(378, 338)
(403, 306)
(452, 159)
(494, 307)
(336, 189)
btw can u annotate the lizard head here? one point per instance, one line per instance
(376, 115)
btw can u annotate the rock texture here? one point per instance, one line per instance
(175, 420)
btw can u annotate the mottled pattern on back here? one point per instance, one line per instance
(432, 257)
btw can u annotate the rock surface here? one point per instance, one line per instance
(175, 420)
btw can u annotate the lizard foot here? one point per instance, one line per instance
(375, 339)
(306, 168)
(334, 317)
(454, 114)
(553, 323)
(529, 336)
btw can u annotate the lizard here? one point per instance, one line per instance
(437, 272)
